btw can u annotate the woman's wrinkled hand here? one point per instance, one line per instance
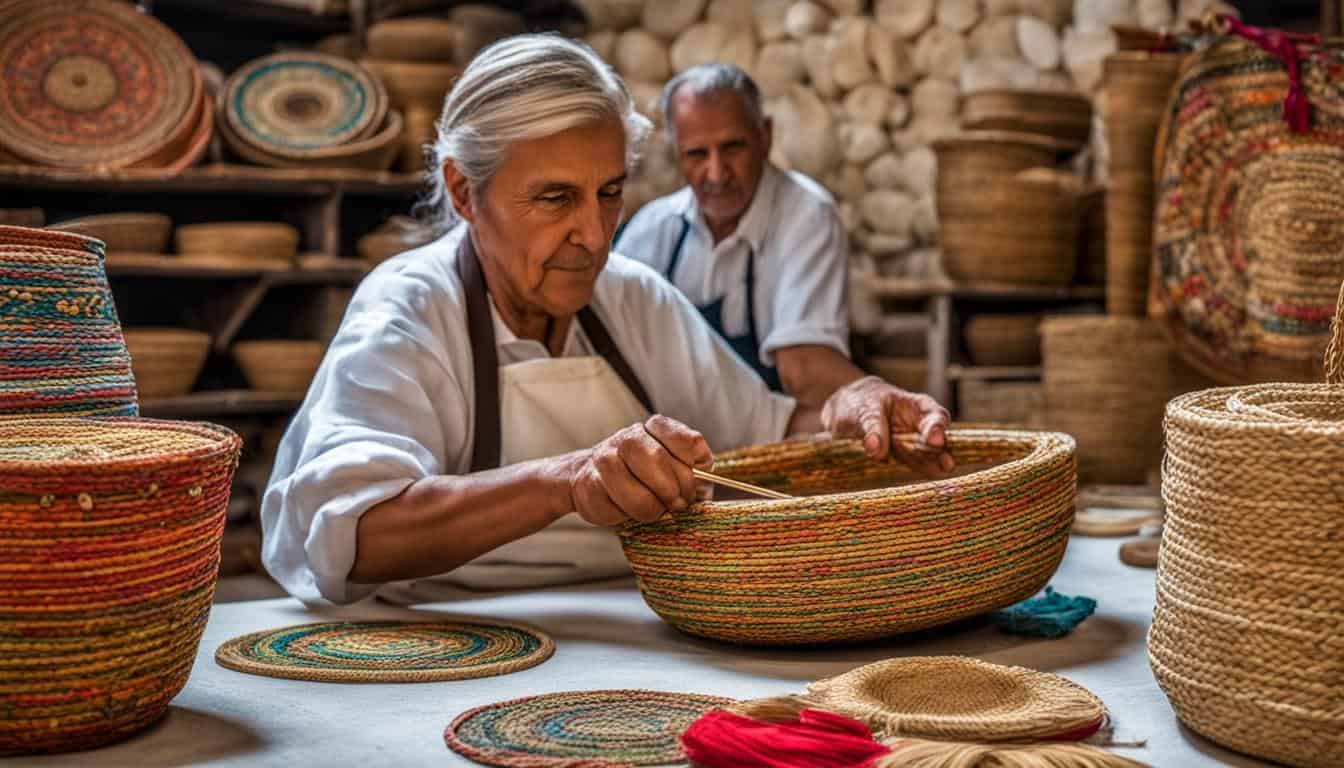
(640, 473)
(878, 413)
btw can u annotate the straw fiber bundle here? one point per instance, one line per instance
(124, 232)
(850, 564)
(109, 546)
(1019, 228)
(285, 366)
(1247, 628)
(1248, 244)
(166, 361)
(1004, 339)
(1057, 114)
(61, 347)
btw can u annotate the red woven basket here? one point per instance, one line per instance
(109, 549)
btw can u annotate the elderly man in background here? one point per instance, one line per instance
(759, 251)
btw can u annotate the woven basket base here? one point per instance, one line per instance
(388, 651)
(593, 729)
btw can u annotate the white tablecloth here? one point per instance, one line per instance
(608, 638)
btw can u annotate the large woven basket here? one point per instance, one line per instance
(166, 361)
(283, 366)
(1058, 114)
(965, 162)
(109, 545)
(1247, 244)
(1004, 339)
(414, 83)
(1012, 228)
(1249, 617)
(844, 564)
(242, 240)
(1015, 404)
(124, 232)
(61, 347)
(412, 39)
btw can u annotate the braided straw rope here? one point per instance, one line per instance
(849, 566)
(63, 351)
(388, 651)
(579, 729)
(1249, 615)
(109, 548)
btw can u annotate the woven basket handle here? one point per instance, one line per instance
(1334, 351)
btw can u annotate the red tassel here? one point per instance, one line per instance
(816, 739)
(1296, 108)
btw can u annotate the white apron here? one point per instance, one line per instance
(546, 407)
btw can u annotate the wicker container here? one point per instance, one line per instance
(240, 240)
(124, 232)
(375, 153)
(396, 235)
(1018, 404)
(414, 83)
(1058, 114)
(1107, 380)
(1092, 236)
(1135, 90)
(908, 373)
(99, 625)
(852, 565)
(967, 160)
(1004, 339)
(166, 361)
(1020, 228)
(63, 351)
(412, 39)
(285, 367)
(1249, 615)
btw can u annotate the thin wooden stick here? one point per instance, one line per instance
(741, 486)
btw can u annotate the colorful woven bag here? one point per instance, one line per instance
(850, 564)
(1248, 246)
(109, 549)
(61, 346)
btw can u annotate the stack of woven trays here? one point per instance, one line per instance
(306, 109)
(95, 84)
(1249, 616)
(63, 351)
(415, 58)
(849, 564)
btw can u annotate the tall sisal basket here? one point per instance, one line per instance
(1247, 638)
(849, 564)
(109, 549)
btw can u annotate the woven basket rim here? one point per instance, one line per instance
(1204, 407)
(224, 440)
(981, 139)
(85, 242)
(1043, 93)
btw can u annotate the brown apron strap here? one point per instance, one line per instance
(485, 360)
(604, 346)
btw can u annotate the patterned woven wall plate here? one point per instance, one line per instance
(91, 84)
(388, 651)
(291, 103)
(591, 729)
(1248, 245)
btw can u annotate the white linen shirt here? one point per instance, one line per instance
(393, 401)
(801, 268)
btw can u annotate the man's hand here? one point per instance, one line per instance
(874, 411)
(640, 473)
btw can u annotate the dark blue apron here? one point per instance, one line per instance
(747, 346)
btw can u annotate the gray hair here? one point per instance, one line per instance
(518, 89)
(709, 79)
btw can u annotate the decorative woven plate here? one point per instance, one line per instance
(291, 103)
(594, 729)
(91, 83)
(388, 651)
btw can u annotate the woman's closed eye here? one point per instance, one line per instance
(612, 192)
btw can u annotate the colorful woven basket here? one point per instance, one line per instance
(109, 546)
(1249, 616)
(849, 564)
(61, 347)
(1248, 246)
(92, 84)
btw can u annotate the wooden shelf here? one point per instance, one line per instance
(992, 372)
(224, 402)
(908, 289)
(170, 268)
(221, 178)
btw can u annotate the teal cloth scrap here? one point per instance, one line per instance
(1053, 615)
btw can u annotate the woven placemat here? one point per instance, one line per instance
(593, 729)
(388, 651)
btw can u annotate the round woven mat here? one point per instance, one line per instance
(960, 699)
(90, 83)
(581, 728)
(298, 102)
(387, 651)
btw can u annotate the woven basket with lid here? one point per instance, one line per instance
(109, 548)
(848, 564)
(1249, 616)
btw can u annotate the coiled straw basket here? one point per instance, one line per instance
(109, 548)
(1247, 638)
(850, 564)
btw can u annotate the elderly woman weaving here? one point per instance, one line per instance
(486, 413)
